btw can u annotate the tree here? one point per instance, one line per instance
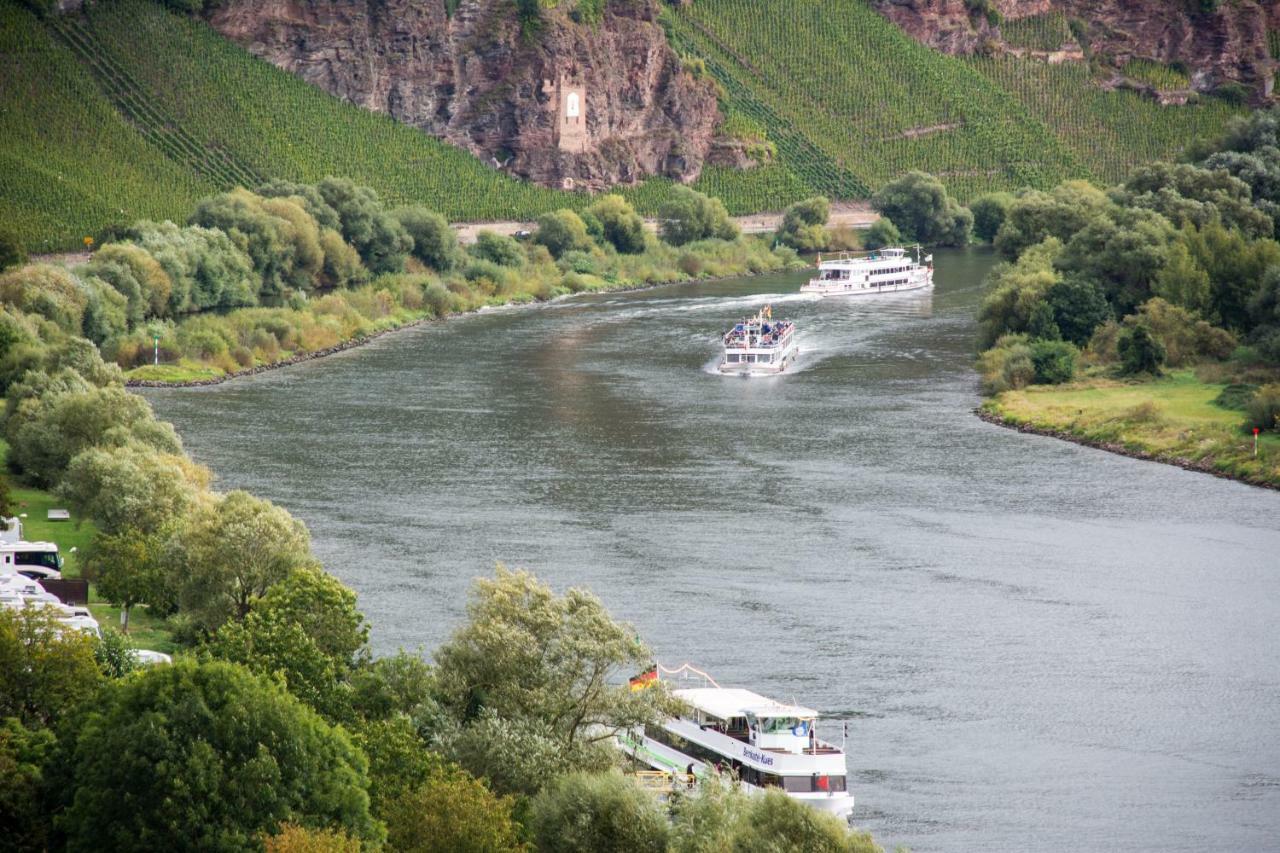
(1015, 291)
(47, 291)
(597, 813)
(278, 234)
(231, 552)
(1079, 306)
(206, 756)
(307, 629)
(1035, 216)
(45, 671)
(24, 753)
(1040, 323)
(688, 215)
(777, 822)
(1183, 281)
(1124, 251)
(526, 653)
(1264, 409)
(126, 568)
(882, 233)
(1236, 268)
(204, 267)
(12, 252)
(622, 226)
(434, 242)
(497, 248)
(989, 212)
(131, 487)
(562, 231)
(803, 226)
(1187, 194)
(705, 820)
(452, 813)
(1054, 361)
(920, 206)
(1140, 350)
(292, 838)
(380, 239)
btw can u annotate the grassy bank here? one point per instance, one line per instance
(71, 537)
(1173, 419)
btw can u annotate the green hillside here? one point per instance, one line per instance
(851, 101)
(132, 111)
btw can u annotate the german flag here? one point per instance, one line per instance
(648, 678)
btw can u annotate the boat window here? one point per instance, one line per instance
(779, 725)
(733, 357)
(809, 784)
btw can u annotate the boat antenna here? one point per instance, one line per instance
(687, 668)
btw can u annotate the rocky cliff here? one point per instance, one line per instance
(1225, 43)
(563, 103)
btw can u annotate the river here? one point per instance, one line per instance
(1036, 645)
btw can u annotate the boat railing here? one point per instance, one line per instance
(874, 254)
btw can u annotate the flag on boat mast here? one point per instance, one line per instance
(644, 680)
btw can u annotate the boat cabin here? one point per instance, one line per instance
(751, 718)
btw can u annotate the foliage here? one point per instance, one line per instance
(920, 206)
(688, 215)
(498, 248)
(12, 252)
(528, 654)
(1188, 194)
(1034, 216)
(204, 267)
(232, 551)
(114, 654)
(452, 813)
(1006, 365)
(206, 756)
(292, 838)
(517, 755)
(1140, 350)
(45, 672)
(778, 822)
(562, 231)
(434, 242)
(24, 753)
(881, 233)
(1054, 361)
(622, 226)
(1123, 250)
(1184, 337)
(131, 488)
(803, 225)
(380, 239)
(597, 813)
(705, 820)
(48, 291)
(306, 629)
(989, 211)
(1182, 281)
(1263, 409)
(1015, 291)
(1078, 306)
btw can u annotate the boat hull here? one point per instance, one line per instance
(823, 289)
(741, 368)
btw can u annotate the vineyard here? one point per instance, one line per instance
(130, 111)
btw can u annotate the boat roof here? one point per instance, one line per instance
(727, 702)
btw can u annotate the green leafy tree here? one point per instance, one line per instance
(127, 570)
(920, 206)
(621, 225)
(497, 248)
(131, 487)
(25, 823)
(209, 757)
(45, 672)
(452, 813)
(1041, 325)
(1140, 351)
(777, 822)
(1079, 306)
(114, 654)
(48, 291)
(562, 231)
(705, 820)
(1035, 216)
(137, 276)
(277, 234)
(597, 813)
(434, 242)
(399, 758)
(518, 755)
(1016, 289)
(204, 267)
(526, 653)
(1263, 409)
(1188, 194)
(1054, 361)
(688, 215)
(233, 551)
(989, 212)
(381, 240)
(292, 838)
(882, 233)
(306, 629)
(1124, 251)
(1182, 281)
(803, 226)
(1237, 268)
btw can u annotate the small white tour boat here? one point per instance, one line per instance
(759, 345)
(867, 273)
(760, 742)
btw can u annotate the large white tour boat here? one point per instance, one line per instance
(762, 743)
(759, 345)
(866, 273)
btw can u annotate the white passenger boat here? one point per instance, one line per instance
(763, 743)
(868, 273)
(759, 345)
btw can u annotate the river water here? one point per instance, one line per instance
(1036, 645)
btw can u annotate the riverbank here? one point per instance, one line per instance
(406, 314)
(1172, 420)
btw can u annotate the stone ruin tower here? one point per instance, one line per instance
(568, 96)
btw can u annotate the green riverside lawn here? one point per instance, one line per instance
(1171, 419)
(145, 630)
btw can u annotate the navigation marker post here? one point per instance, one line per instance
(1255, 442)
(156, 341)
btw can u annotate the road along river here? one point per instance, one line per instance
(1036, 645)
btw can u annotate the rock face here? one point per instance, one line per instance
(1225, 44)
(570, 105)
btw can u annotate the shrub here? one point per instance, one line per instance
(12, 252)
(597, 813)
(1079, 307)
(451, 813)
(1235, 396)
(803, 225)
(920, 206)
(498, 248)
(562, 231)
(622, 226)
(1054, 362)
(989, 212)
(1007, 365)
(434, 242)
(1263, 410)
(881, 233)
(1140, 351)
(47, 291)
(688, 215)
